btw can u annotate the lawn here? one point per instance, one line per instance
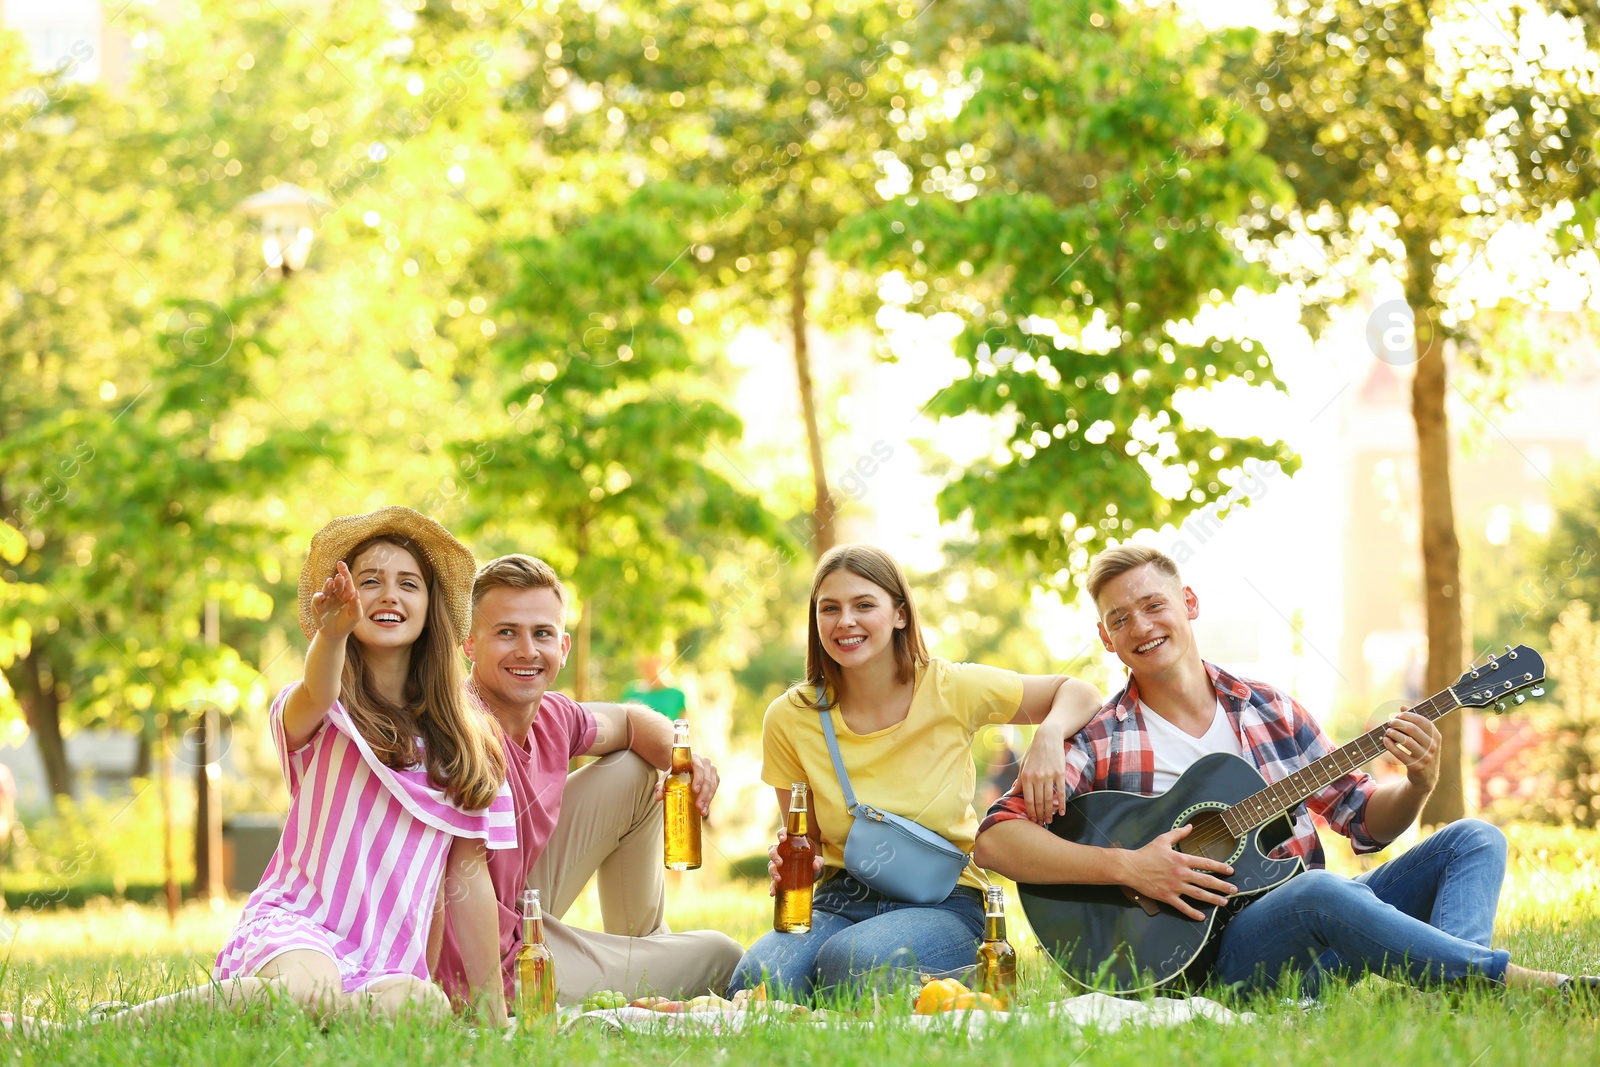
(60, 962)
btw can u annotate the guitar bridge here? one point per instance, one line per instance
(1151, 908)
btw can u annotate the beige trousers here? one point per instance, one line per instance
(610, 827)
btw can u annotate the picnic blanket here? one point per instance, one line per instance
(1096, 1010)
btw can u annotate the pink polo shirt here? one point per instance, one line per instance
(537, 774)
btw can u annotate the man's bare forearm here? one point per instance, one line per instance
(631, 726)
(1393, 807)
(1027, 852)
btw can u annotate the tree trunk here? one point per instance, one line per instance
(207, 799)
(581, 641)
(580, 655)
(169, 863)
(141, 755)
(42, 708)
(208, 808)
(822, 535)
(1441, 552)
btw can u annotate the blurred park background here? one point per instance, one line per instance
(678, 296)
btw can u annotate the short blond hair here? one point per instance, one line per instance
(1120, 560)
(516, 571)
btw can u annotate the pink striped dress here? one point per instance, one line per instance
(358, 867)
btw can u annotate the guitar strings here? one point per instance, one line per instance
(1219, 832)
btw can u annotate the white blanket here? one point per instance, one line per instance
(1097, 1010)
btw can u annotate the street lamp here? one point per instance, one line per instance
(286, 213)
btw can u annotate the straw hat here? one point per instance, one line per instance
(452, 562)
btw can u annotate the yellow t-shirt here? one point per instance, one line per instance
(920, 768)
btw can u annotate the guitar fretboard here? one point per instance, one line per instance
(1261, 808)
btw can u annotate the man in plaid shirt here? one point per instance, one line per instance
(1426, 916)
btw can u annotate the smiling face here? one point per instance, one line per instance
(1144, 619)
(394, 596)
(517, 646)
(856, 619)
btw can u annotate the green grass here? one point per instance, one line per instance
(60, 962)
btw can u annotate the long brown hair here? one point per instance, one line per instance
(459, 746)
(879, 568)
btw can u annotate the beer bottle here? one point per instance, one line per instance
(997, 960)
(535, 979)
(682, 818)
(791, 910)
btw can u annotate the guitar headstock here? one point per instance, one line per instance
(1501, 679)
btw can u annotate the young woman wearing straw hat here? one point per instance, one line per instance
(379, 735)
(397, 787)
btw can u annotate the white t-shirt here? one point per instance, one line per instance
(1175, 750)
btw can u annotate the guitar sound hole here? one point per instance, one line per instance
(1210, 837)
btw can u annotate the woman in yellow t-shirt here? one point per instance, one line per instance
(905, 724)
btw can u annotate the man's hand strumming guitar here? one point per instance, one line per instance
(1160, 872)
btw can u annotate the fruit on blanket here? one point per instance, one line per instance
(653, 1003)
(947, 994)
(974, 1000)
(745, 997)
(939, 994)
(604, 999)
(709, 1002)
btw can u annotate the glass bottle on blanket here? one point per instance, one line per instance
(997, 960)
(681, 817)
(791, 909)
(535, 979)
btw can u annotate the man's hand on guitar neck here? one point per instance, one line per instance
(1160, 872)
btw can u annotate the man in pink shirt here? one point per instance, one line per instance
(604, 819)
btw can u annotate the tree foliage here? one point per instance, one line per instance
(1413, 132)
(774, 114)
(1550, 569)
(1085, 209)
(1567, 757)
(176, 420)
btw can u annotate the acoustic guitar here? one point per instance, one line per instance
(1111, 939)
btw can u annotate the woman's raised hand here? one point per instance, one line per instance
(338, 606)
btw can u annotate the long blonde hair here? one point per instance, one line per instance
(879, 568)
(460, 748)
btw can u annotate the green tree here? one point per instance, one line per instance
(1523, 589)
(777, 110)
(1567, 758)
(67, 298)
(1087, 211)
(162, 399)
(606, 462)
(1397, 120)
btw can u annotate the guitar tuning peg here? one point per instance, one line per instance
(1538, 690)
(1521, 698)
(1499, 705)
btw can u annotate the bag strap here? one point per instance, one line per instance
(833, 750)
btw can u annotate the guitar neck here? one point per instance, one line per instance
(1271, 802)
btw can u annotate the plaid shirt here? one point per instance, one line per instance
(1113, 752)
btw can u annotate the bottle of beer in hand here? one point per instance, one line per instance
(791, 910)
(681, 817)
(535, 978)
(997, 960)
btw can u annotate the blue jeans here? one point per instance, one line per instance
(859, 937)
(1427, 915)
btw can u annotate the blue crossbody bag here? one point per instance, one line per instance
(896, 856)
